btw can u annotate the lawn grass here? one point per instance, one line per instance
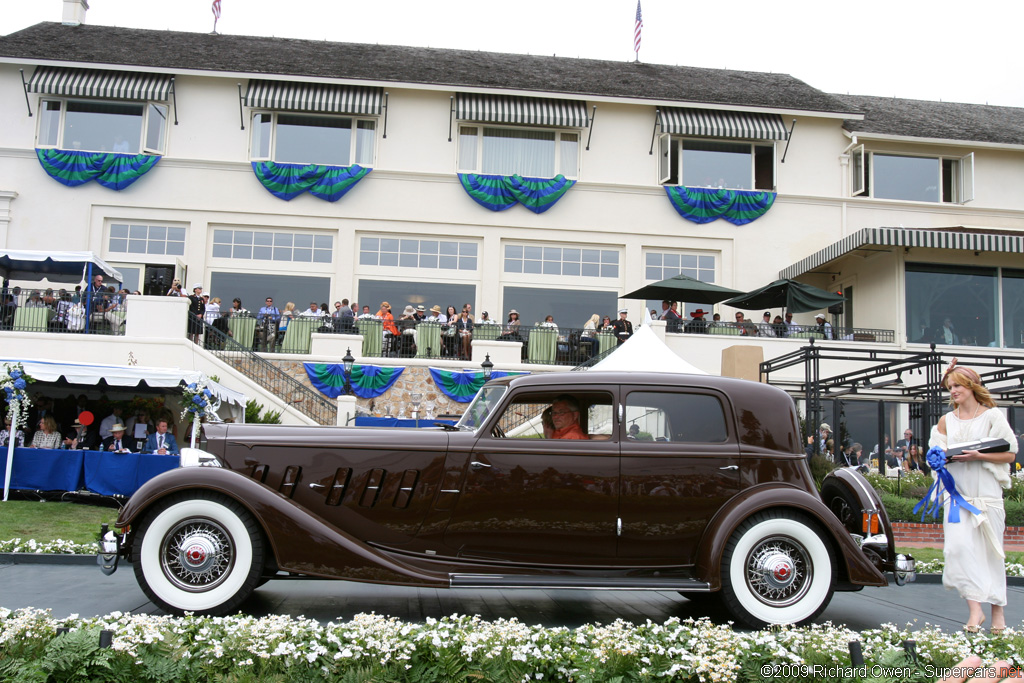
(52, 520)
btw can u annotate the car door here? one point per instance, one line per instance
(680, 464)
(528, 498)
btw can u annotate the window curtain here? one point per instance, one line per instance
(288, 181)
(497, 192)
(531, 153)
(704, 204)
(114, 171)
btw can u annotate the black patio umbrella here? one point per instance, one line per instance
(795, 297)
(684, 288)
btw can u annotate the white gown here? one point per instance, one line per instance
(973, 549)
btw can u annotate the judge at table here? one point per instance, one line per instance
(163, 442)
(118, 441)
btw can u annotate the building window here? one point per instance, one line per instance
(534, 153)
(258, 245)
(103, 126)
(1013, 309)
(912, 178)
(310, 139)
(403, 293)
(573, 261)
(663, 265)
(570, 307)
(953, 305)
(715, 163)
(415, 253)
(254, 288)
(128, 238)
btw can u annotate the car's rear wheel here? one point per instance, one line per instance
(777, 569)
(198, 552)
(843, 504)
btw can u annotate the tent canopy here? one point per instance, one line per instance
(684, 288)
(795, 297)
(55, 266)
(121, 376)
(645, 352)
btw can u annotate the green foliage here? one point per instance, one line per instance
(254, 414)
(820, 467)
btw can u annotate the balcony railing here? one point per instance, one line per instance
(50, 310)
(782, 331)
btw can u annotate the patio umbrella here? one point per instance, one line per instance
(795, 297)
(684, 288)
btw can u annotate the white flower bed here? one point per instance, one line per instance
(57, 547)
(463, 648)
(936, 567)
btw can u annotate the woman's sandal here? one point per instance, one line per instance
(997, 630)
(974, 628)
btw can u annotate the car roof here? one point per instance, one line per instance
(728, 385)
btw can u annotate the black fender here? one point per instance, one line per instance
(302, 542)
(859, 569)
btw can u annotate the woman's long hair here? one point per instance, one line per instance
(969, 379)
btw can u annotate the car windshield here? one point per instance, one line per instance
(482, 405)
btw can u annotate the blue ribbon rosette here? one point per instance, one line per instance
(936, 458)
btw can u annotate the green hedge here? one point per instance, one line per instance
(899, 496)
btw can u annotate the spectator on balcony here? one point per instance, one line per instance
(343, 317)
(778, 326)
(823, 326)
(606, 323)
(588, 337)
(237, 310)
(464, 327)
(511, 330)
(267, 320)
(175, 288)
(947, 334)
(791, 327)
(10, 305)
(468, 308)
(673, 321)
(549, 322)
(367, 314)
(697, 324)
(421, 313)
(196, 311)
(450, 315)
(389, 320)
(435, 314)
(35, 300)
(212, 309)
(622, 328)
(312, 312)
(407, 338)
(765, 329)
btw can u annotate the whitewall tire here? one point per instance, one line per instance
(198, 552)
(777, 569)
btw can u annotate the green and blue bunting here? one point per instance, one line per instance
(462, 385)
(368, 381)
(705, 204)
(498, 192)
(288, 181)
(114, 171)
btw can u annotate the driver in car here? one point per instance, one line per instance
(565, 413)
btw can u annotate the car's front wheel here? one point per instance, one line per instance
(198, 552)
(777, 569)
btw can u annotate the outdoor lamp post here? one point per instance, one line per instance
(488, 366)
(347, 362)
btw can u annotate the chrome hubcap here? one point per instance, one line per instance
(196, 555)
(778, 571)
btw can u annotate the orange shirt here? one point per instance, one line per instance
(573, 431)
(389, 321)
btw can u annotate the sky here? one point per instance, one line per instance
(916, 49)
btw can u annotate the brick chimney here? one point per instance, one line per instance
(74, 12)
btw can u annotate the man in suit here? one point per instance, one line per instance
(162, 442)
(118, 442)
(81, 438)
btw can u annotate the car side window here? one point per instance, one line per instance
(526, 414)
(674, 417)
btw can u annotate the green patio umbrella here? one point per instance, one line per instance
(684, 288)
(795, 297)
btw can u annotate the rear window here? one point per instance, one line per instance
(674, 417)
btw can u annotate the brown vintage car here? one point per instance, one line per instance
(688, 483)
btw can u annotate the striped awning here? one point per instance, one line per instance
(710, 123)
(522, 110)
(116, 85)
(319, 97)
(868, 238)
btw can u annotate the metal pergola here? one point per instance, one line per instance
(910, 377)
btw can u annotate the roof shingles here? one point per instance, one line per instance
(141, 48)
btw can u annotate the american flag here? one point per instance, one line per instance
(636, 30)
(216, 9)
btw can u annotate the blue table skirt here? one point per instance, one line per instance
(398, 422)
(102, 472)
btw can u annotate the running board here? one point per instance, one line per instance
(577, 582)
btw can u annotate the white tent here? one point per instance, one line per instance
(645, 352)
(55, 266)
(122, 376)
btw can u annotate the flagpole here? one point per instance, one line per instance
(12, 437)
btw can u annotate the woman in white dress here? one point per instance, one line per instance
(973, 549)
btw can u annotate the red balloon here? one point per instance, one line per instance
(86, 418)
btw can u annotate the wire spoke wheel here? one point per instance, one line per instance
(778, 571)
(197, 554)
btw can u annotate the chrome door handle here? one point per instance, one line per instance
(477, 464)
(730, 467)
(315, 485)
